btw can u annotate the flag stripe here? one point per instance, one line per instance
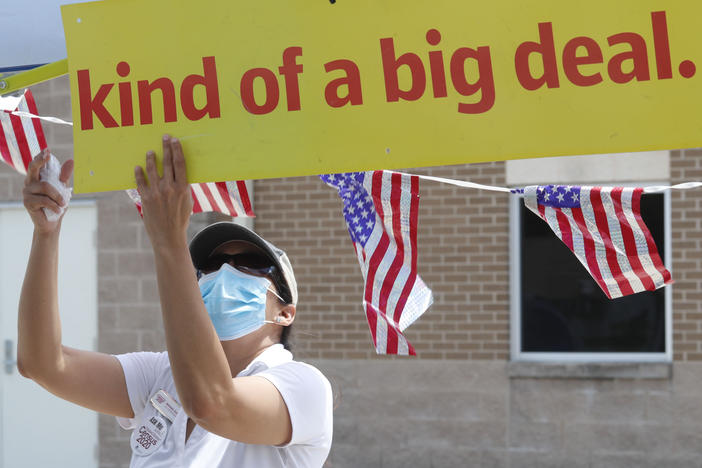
(578, 241)
(243, 195)
(396, 239)
(21, 139)
(589, 248)
(652, 250)
(629, 241)
(640, 240)
(213, 196)
(404, 320)
(400, 196)
(404, 225)
(603, 231)
(372, 319)
(384, 225)
(403, 346)
(196, 204)
(212, 193)
(224, 195)
(564, 227)
(549, 215)
(38, 130)
(30, 134)
(599, 253)
(233, 190)
(13, 149)
(616, 237)
(4, 148)
(198, 190)
(376, 258)
(386, 279)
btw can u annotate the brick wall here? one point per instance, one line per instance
(686, 166)
(463, 257)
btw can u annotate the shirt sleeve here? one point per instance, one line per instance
(308, 396)
(141, 371)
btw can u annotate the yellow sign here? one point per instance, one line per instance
(270, 89)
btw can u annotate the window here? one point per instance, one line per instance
(559, 313)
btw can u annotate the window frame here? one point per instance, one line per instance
(515, 290)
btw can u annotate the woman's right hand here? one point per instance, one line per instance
(38, 194)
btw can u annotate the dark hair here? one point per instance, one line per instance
(285, 337)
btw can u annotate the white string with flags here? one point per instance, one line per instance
(26, 112)
(517, 190)
(602, 226)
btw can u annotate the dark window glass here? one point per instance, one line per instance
(563, 308)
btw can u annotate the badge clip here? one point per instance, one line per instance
(166, 405)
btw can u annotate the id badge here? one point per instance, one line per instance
(149, 436)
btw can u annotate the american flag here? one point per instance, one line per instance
(381, 210)
(603, 227)
(21, 138)
(231, 198)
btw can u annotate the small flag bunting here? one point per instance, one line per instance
(21, 138)
(230, 198)
(603, 227)
(381, 209)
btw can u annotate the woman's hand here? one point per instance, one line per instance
(166, 201)
(37, 194)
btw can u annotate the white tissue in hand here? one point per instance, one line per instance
(50, 173)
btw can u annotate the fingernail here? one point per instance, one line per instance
(166, 137)
(174, 140)
(149, 153)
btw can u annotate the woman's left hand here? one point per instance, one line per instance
(166, 201)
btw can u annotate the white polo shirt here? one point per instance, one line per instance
(306, 392)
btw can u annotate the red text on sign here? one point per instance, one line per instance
(483, 82)
(94, 105)
(581, 52)
(289, 71)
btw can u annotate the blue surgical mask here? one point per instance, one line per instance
(235, 301)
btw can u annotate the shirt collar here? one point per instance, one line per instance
(272, 356)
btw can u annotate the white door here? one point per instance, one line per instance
(38, 429)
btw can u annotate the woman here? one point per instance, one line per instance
(226, 393)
